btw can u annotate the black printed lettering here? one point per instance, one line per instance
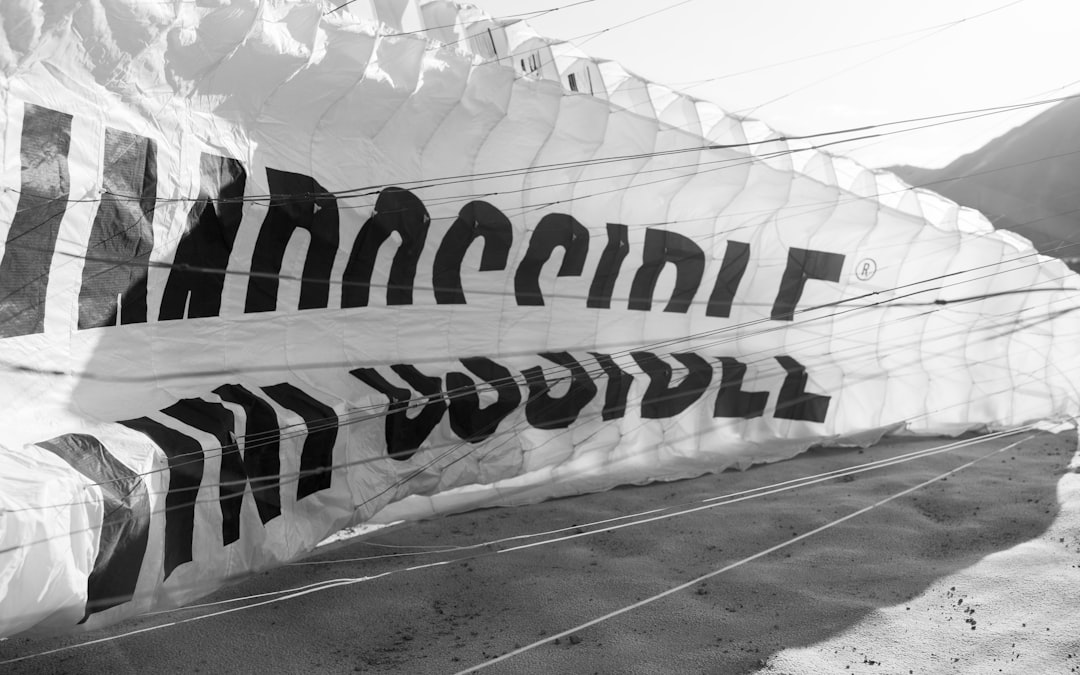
(125, 527)
(404, 434)
(661, 400)
(731, 400)
(663, 247)
(317, 457)
(467, 419)
(43, 197)
(476, 219)
(803, 265)
(216, 420)
(794, 403)
(262, 449)
(546, 412)
(113, 286)
(396, 210)
(296, 202)
(185, 457)
(607, 270)
(197, 277)
(553, 230)
(618, 387)
(736, 258)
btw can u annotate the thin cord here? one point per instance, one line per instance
(859, 64)
(507, 433)
(346, 283)
(704, 577)
(338, 583)
(422, 183)
(590, 367)
(605, 525)
(688, 0)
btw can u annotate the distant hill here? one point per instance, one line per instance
(1027, 180)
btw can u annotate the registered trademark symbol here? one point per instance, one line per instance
(865, 269)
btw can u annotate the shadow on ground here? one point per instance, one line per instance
(444, 618)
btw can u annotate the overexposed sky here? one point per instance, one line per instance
(924, 57)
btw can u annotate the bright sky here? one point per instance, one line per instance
(915, 65)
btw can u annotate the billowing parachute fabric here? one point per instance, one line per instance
(270, 270)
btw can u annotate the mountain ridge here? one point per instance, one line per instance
(1027, 180)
